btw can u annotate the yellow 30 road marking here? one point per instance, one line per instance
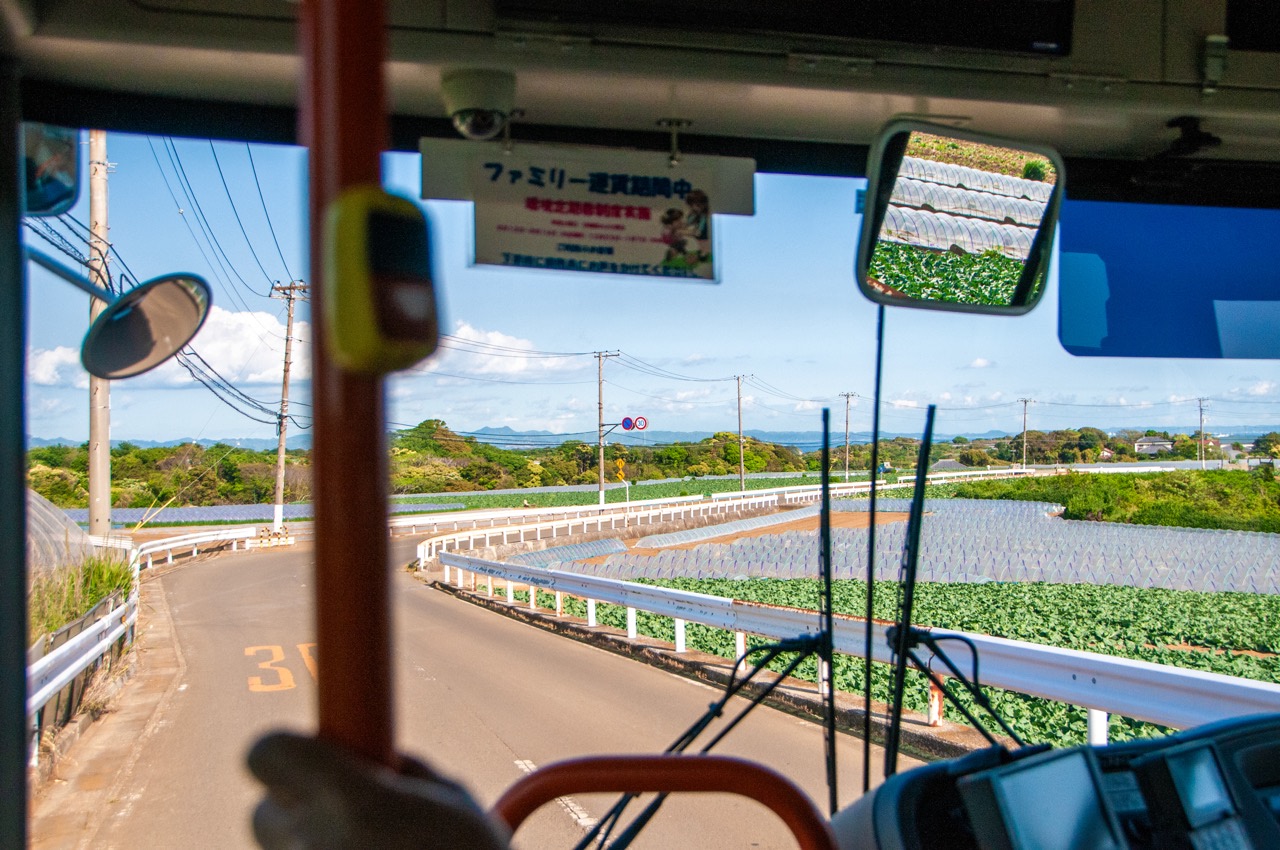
(308, 652)
(285, 678)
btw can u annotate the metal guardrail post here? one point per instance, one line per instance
(632, 631)
(1170, 696)
(1098, 722)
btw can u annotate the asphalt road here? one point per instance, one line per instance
(481, 697)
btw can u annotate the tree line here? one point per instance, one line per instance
(431, 458)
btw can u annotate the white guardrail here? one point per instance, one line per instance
(53, 672)
(47, 676)
(148, 551)
(490, 528)
(461, 520)
(1157, 693)
(601, 518)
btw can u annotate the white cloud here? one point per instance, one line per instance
(981, 363)
(1261, 388)
(47, 408)
(56, 367)
(246, 348)
(475, 351)
(905, 402)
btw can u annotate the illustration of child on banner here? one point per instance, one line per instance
(687, 235)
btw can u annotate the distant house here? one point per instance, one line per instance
(1106, 454)
(1152, 445)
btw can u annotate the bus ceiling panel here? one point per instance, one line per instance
(430, 14)
(1252, 55)
(1103, 100)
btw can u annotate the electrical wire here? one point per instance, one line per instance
(669, 400)
(235, 212)
(77, 224)
(267, 215)
(189, 191)
(638, 365)
(215, 265)
(436, 372)
(496, 350)
(764, 386)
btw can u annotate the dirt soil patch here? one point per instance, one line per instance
(839, 519)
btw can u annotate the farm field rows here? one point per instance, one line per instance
(1232, 632)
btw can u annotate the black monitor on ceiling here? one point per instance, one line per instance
(1040, 27)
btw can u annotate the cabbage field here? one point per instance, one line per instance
(1235, 634)
(1203, 599)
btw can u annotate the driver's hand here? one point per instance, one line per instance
(319, 797)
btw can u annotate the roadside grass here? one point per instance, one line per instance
(68, 592)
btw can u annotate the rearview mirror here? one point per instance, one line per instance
(957, 221)
(50, 169)
(145, 326)
(139, 329)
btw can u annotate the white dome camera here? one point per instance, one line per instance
(478, 101)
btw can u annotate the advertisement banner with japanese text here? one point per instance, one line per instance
(590, 210)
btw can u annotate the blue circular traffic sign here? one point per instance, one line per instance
(628, 423)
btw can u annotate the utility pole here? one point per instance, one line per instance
(1025, 402)
(290, 292)
(99, 388)
(600, 358)
(846, 397)
(1200, 436)
(742, 463)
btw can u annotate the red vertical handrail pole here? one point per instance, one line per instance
(342, 121)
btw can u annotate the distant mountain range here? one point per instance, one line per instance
(506, 437)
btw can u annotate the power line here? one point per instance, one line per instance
(190, 192)
(638, 365)
(1116, 403)
(216, 268)
(218, 164)
(715, 403)
(267, 215)
(215, 265)
(182, 360)
(69, 219)
(496, 350)
(763, 385)
(529, 383)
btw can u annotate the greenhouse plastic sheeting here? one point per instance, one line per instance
(693, 535)
(571, 552)
(964, 202)
(941, 232)
(971, 178)
(976, 540)
(53, 539)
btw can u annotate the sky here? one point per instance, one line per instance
(519, 343)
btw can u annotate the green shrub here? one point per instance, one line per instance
(1034, 170)
(68, 593)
